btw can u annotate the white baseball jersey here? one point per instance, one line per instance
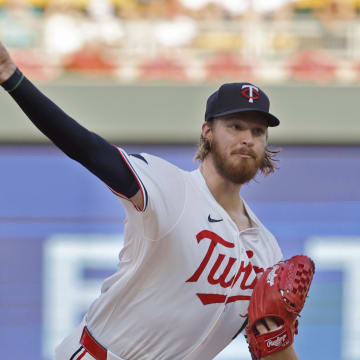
(186, 272)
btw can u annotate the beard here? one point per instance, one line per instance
(239, 171)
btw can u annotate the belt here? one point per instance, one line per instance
(96, 350)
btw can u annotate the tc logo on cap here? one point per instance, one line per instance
(251, 92)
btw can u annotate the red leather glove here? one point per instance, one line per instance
(280, 294)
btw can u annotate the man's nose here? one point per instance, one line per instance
(246, 138)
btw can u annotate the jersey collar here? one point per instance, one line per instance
(199, 178)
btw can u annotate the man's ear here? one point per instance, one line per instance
(207, 130)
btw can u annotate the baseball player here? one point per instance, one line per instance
(193, 248)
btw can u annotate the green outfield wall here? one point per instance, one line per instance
(158, 113)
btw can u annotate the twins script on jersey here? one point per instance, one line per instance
(186, 273)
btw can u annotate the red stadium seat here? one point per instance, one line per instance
(313, 65)
(162, 68)
(90, 61)
(228, 66)
(356, 69)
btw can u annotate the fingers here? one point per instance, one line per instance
(266, 325)
(272, 325)
(7, 67)
(261, 328)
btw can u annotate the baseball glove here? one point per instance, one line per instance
(280, 294)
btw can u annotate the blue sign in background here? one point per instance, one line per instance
(315, 193)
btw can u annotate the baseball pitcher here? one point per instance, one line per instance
(198, 267)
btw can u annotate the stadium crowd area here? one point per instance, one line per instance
(185, 40)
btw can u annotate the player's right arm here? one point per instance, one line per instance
(96, 154)
(7, 67)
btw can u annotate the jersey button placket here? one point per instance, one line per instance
(236, 254)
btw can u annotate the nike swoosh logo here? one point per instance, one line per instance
(214, 220)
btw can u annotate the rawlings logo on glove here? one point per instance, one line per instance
(279, 294)
(277, 341)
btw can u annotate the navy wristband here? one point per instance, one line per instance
(13, 81)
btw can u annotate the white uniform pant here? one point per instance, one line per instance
(69, 349)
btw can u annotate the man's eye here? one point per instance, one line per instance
(258, 131)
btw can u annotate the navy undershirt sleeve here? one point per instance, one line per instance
(92, 151)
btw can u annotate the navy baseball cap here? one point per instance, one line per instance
(233, 98)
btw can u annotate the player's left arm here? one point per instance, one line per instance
(268, 325)
(276, 302)
(287, 354)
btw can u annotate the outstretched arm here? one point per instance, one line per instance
(80, 144)
(7, 67)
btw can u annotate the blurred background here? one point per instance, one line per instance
(138, 72)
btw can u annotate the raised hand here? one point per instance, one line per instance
(7, 66)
